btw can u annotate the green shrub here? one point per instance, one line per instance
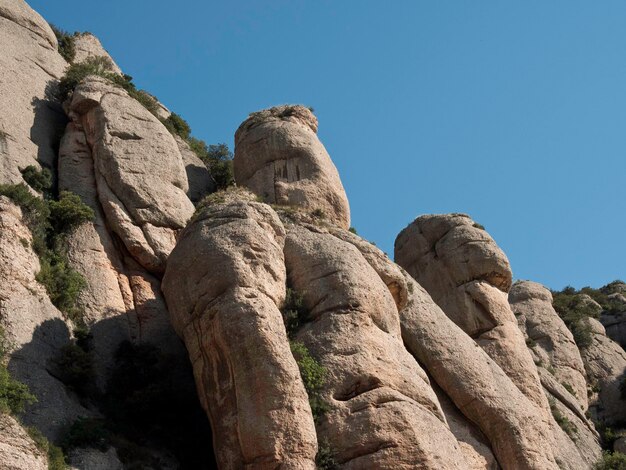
(38, 180)
(177, 126)
(313, 376)
(477, 225)
(218, 159)
(63, 283)
(569, 388)
(69, 212)
(325, 460)
(87, 432)
(565, 424)
(531, 343)
(65, 41)
(353, 230)
(608, 436)
(73, 365)
(151, 399)
(611, 461)
(56, 459)
(103, 67)
(76, 73)
(14, 395)
(574, 310)
(293, 311)
(35, 211)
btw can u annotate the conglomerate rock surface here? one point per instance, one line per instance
(31, 121)
(279, 157)
(424, 368)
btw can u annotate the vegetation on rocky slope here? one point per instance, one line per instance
(574, 307)
(65, 42)
(50, 220)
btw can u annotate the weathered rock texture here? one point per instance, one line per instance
(551, 343)
(561, 371)
(35, 329)
(468, 276)
(87, 46)
(516, 428)
(200, 181)
(614, 321)
(17, 449)
(279, 157)
(224, 283)
(383, 412)
(30, 121)
(139, 172)
(605, 363)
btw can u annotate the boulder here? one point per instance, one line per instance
(138, 170)
(546, 334)
(468, 276)
(279, 157)
(87, 46)
(31, 122)
(224, 283)
(382, 411)
(605, 363)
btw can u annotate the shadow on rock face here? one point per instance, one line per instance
(48, 126)
(149, 409)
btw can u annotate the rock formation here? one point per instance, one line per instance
(551, 343)
(605, 363)
(279, 157)
(31, 121)
(309, 346)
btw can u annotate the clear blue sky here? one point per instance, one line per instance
(513, 112)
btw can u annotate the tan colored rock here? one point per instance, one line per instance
(139, 172)
(224, 282)
(121, 301)
(30, 121)
(383, 412)
(614, 321)
(518, 431)
(17, 449)
(35, 329)
(468, 276)
(279, 157)
(88, 46)
(550, 340)
(605, 363)
(200, 181)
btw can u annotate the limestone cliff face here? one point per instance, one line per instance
(309, 346)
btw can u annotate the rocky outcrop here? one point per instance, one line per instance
(31, 121)
(86, 46)
(118, 289)
(198, 177)
(17, 449)
(614, 320)
(139, 172)
(279, 157)
(224, 283)
(383, 412)
(605, 363)
(517, 429)
(549, 340)
(35, 329)
(468, 276)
